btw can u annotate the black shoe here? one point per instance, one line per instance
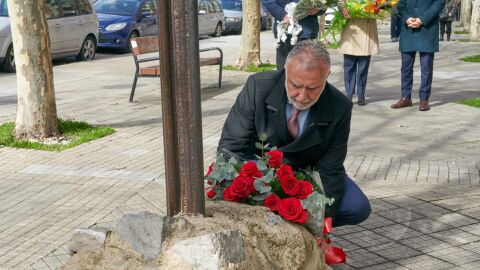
(361, 101)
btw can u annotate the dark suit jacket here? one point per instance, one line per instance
(424, 39)
(260, 108)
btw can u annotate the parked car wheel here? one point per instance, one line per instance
(218, 30)
(132, 35)
(9, 64)
(87, 52)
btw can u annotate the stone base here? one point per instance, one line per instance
(231, 236)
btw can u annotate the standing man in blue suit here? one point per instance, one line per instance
(309, 26)
(419, 34)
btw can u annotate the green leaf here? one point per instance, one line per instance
(258, 145)
(262, 166)
(267, 178)
(263, 137)
(232, 160)
(261, 197)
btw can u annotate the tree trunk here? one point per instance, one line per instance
(36, 112)
(321, 22)
(250, 45)
(466, 14)
(475, 25)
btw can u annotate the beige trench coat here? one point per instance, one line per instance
(360, 37)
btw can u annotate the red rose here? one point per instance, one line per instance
(291, 209)
(211, 194)
(284, 172)
(210, 168)
(242, 186)
(290, 185)
(251, 170)
(272, 202)
(229, 196)
(275, 160)
(305, 189)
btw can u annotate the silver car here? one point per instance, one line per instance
(210, 18)
(73, 28)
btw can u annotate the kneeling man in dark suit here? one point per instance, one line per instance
(306, 118)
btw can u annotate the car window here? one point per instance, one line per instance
(117, 7)
(148, 7)
(210, 6)
(202, 5)
(69, 8)
(232, 5)
(51, 9)
(84, 7)
(218, 6)
(3, 8)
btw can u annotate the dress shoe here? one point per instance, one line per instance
(424, 105)
(402, 103)
(361, 101)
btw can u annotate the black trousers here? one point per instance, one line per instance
(446, 25)
(282, 52)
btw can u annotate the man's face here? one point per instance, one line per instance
(304, 86)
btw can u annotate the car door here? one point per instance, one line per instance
(71, 23)
(52, 13)
(148, 18)
(202, 18)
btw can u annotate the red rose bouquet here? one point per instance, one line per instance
(297, 196)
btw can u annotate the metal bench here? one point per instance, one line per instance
(144, 45)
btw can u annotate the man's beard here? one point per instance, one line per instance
(301, 106)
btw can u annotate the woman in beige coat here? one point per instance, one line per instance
(359, 41)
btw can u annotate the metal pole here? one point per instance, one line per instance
(182, 126)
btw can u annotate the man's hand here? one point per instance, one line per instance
(313, 11)
(345, 13)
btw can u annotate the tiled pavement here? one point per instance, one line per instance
(420, 170)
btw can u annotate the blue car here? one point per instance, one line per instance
(122, 20)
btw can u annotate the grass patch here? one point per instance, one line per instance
(461, 32)
(76, 132)
(473, 58)
(474, 102)
(253, 68)
(333, 46)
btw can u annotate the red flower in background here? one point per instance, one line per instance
(284, 172)
(229, 196)
(291, 209)
(242, 186)
(211, 194)
(251, 170)
(305, 189)
(275, 160)
(290, 185)
(272, 202)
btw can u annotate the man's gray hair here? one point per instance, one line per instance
(309, 52)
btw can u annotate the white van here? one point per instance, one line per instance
(73, 28)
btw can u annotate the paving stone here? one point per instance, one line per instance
(383, 266)
(456, 236)
(367, 239)
(425, 262)
(425, 243)
(363, 258)
(396, 232)
(474, 247)
(455, 255)
(401, 215)
(430, 210)
(379, 205)
(427, 225)
(394, 251)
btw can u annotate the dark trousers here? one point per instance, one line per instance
(282, 53)
(445, 27)
(426, 67)
(395, 26)
(355, 72)
(354, 207)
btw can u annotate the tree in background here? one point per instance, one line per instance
(36, 112)
(466, 14)
(249, 53)
(475, 22)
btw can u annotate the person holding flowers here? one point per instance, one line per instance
(420, 20)
(309, 25)
(308, 121)
(358, 42)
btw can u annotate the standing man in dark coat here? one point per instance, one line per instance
(419, 34)
(306, 118)
(309, 24)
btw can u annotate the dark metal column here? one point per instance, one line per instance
(182, 123)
